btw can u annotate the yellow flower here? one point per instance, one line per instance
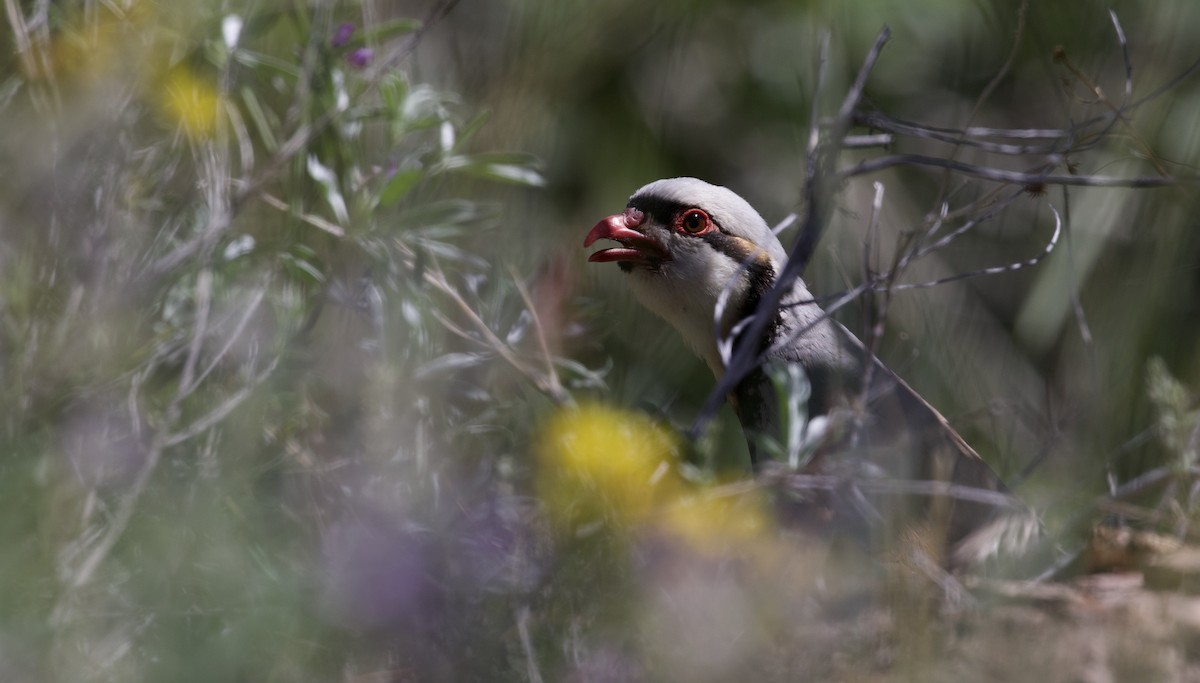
(191, 103)
(601, 467)
(598, 464)
(717, 524)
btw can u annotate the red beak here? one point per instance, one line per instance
(636, 247)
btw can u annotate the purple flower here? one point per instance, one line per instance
(342, 35)
(361, 57)
(377, 575)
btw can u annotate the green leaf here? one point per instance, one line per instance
(425, 106)
(398, 186)
(510, 158)
(792, 390)
(470, 129)
(254, 60)
(393, 89)
(303, 267)
(509, 168)
(443, 213)
(449, 252)
(8, 89)
(449, 363)
(582, 377)
(326, 178)
(389, 29)
(509, 173)
(259, 117)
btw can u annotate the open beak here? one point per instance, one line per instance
(636, 247)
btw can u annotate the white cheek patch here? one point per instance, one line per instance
(684, 292)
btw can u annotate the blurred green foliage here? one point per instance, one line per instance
(286, 299)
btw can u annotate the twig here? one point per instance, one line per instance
(995, 270)
(203, 305)
(1003, 176)
(963, 137)
(902, 487)
(551, 372)
(921, 249)
(20, 33)
(1124, 57)
(546, 385)
(881, 121)
(875, 327)
(223, 410)
(251, 308)
(531, 665)
(1085, 332)
(967, 135)
(312, 219)
(120, 520)
(787, 222)
(318, 33)
(952, 589)
(1060, 56)
(1022, 11)
(403, 49)
(881, 281)
(866, 141)
(162, 439)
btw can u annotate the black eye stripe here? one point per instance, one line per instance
(664, 211)
(661, 210)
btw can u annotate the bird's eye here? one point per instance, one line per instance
(694, 221)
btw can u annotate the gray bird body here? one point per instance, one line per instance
(690, 248)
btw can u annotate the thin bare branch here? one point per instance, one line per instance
(996, 270)
(203, 306)
(551, 375)
(120, 520)
(21, 41)
(223, 410)
(1124, 56)
(312, 219)
(1060, 56)
(247, 314)
(874, 327)
(903, 487)
(964, 137)
(1022, 11)
(867, 141)
(404, 48)
(544, 384)
(1085, 331)
(531, 665)
(1003, 176)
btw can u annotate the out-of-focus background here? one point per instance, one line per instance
(304, 375)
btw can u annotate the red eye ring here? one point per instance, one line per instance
(693, 222)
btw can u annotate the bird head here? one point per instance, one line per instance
(685, 245)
